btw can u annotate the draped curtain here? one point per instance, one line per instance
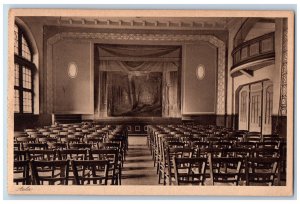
(128, 77)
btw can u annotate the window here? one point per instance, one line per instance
(23, 73)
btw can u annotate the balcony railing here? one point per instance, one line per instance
(253, 50)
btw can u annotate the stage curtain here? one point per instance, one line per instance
(135, 69)
(138, 51)
(131, 64)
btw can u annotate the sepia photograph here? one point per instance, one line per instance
(150, 102)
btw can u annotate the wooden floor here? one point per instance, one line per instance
(138, 168)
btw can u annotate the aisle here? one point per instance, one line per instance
(138, 168)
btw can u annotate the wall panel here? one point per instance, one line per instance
(73, 95)
(199, 96)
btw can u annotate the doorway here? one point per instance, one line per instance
(256, 106)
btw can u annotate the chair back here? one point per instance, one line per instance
(190, 170)
(21, 172)
(95, 171)
(50, 172)
(226, 170)
(263, 171)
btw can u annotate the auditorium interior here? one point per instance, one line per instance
(149, 100)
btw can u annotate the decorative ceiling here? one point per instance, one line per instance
(175, 23)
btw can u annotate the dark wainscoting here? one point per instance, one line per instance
(232, 121)
(221, 120)
(138, 126)
(202, 119)
(24, 121)
(279, 125)
(67, 118)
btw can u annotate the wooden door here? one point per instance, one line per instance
(243, 108)
(267, 107)
(255, 109)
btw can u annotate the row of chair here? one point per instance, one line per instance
(234, 170)
(167, 142)
(47, 156)
(30, 149)
(58, 172)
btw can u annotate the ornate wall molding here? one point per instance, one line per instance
(283, 85)
(140, 37)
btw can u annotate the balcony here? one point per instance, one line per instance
(253, 54)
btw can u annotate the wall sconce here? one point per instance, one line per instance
(72, 70)
(200, 72)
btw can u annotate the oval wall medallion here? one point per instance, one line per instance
(200, 72)
(72, 70)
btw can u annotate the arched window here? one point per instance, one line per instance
(23, 73)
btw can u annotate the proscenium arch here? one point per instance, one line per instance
(125, 37)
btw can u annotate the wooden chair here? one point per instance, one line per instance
(62, 137)
(263, 171)
(72, 140)
(190, 171)
(43, 155)
(269, 144)
(50, 172)
(92, 170)
(57, 146)
(250, 145)
(41, 146)
(16, 136)
(20, 155)
(226, 170)
(219, 144)
(17, 146)
(253, 137)
(24, 140)
(94, 142)
(240, 135)
(21, 172)
(213, 139)
(167, 170)
(47, 140)
(76, 154)
(236, 152)
(271, 138)
(158, 147)
(122, 148)
(112, 145)
(166, 143)
(79, 146)
(266, 152)
(115, 166)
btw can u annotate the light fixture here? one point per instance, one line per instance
(72, 70)
(200, 71)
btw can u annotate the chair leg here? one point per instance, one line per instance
(159, 175)
(165, 178)
(120, 177)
